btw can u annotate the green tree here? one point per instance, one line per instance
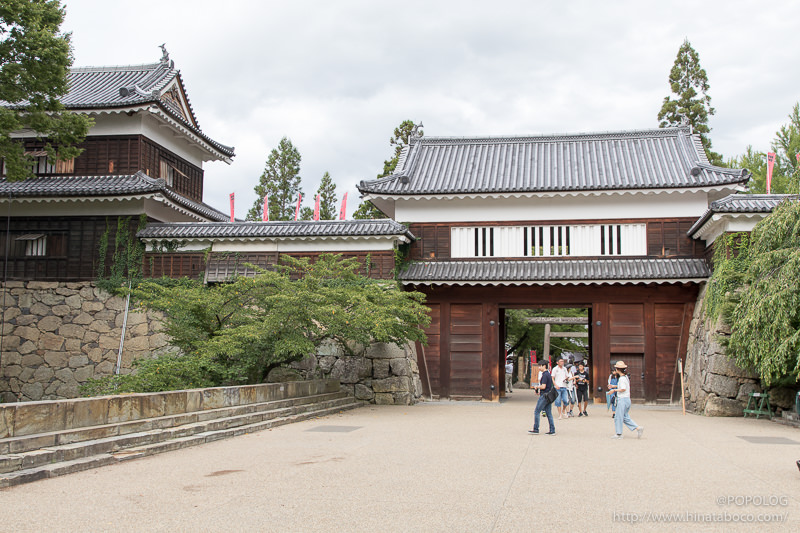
(399, 139)
(786, 172)
(525, 336)
(237, 332)
(280, 181)
(34, 63)
(327, 193)
(689, 83)
(755, 288)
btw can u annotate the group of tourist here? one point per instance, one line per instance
(560, 386)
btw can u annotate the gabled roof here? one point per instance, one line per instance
(666, 158)
(555, 272)
(116, 88)
(82, 187)
(276, 230)
(741, 203)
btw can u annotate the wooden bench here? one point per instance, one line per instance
(755, 405)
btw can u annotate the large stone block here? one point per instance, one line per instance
(83, 319)
(716, 406)
(362, 392)
(77, 361)
(33, 391)
(723, 365)
(116, 303)
(43, 374)
(86, 293)
(91, 307)
(49, 323)
(86, 412)
(152, 405)
(402, 398)
(11, 358)
(745, 389)
(26, 374)
(39, 417)
(73, 345)
(11, 342)
(381, 350)
(123, 408)
(400, 367)
(57, 359)
(72, 331)
(68, 390)
(65, 375)
(40, 309)
(27, 320)
(106, 368)
(212, 399)
(74, 301)
(107, 342)
(51, 341)
(393, 384)
(84, 374)
(381, 368)
(11, 313)
(326, 363)
(159, 340)
(352, 369)
(61, 310)
(51, 299)
(28, 333)
(12, 371)
(723, 386)
(100, 326)
(384, 398)
(6, 421)
(42, 285)
(137, 344)
(175, 402)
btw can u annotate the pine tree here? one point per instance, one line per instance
(34, 63)
(327, 193)
(399, 139)
(689, 82)
(281, 181)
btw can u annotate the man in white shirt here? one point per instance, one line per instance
(509, 374)
(560, 376)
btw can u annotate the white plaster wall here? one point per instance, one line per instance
(624, 206)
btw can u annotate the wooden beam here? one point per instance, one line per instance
(558, 320)
(574, 334)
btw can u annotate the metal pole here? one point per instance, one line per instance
(124, 325)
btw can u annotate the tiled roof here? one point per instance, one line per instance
(271, 230)
(741, 203)
(646, 159)
(95, 88)
(554, 271)
(99, 186)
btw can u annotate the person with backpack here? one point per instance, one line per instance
(623, 390)
(546, 391)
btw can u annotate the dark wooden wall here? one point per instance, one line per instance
(644, 325)
(665, 237)
(223, 266)
(72, 247)
(127, 154)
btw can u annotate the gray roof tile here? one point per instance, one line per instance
(99, 88)
(98, 186)
(646, 159)
(553, 271)
(741, 203)
(270, 230)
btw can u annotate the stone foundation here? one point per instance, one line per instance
(715, 386)
(57, 335)
(386, 374)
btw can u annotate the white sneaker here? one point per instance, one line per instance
(617, 437)
(639, 432)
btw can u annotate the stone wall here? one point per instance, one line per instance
(57, 335)
(386, 374)
(715, 386)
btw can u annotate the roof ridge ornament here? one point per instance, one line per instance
(164, 53)
(686, 122)
(416, 132)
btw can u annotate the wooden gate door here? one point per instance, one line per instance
(466, 339)
(635, 364)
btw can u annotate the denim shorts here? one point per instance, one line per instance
(563, 397)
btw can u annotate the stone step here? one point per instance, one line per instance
(14, 445)
(53, 469)
(77, 450)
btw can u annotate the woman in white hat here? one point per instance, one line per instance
(623, 390)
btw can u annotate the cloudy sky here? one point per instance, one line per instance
(337, 77)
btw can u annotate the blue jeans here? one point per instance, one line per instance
(563, 397)
(543, 404)
(623, 415)
(611, 401)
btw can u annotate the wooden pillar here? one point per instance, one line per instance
(601, 352)
(444, 350)
(546, 348)
(650, 382)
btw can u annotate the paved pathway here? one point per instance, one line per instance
(442, 466)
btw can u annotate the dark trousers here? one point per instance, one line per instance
(543, 404)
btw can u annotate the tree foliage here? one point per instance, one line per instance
(236, 332)
(786, 172)
(34, 63)
(399, 139)
(755, 288)
(280, 181)
(327, 194)
(689, 83)
(532, 335)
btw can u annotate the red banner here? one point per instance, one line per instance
(770, 164)
(265, 211)
(343, 210)
(232, 207)
(297, 209)
(316, 208)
